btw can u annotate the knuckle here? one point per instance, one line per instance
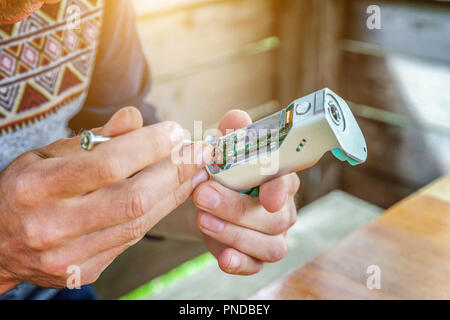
(136, 205)
(133, 230)
(37, 237)
(31, 235)
(278, 250)
(181, 174)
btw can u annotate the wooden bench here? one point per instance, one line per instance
(409, 243)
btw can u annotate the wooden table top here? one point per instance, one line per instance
(409, 244)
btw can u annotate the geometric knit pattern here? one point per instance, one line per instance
(44, 64)
(38, 133)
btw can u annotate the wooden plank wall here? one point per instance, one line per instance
(396, 78)
(310, 32)
(210, 56)
(402, 69)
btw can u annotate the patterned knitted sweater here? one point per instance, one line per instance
(45, 68)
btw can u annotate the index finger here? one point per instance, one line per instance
(123, 121)
(233, 120)
(109, 162)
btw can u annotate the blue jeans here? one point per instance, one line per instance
(28, 291)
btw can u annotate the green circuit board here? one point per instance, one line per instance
(261, 137)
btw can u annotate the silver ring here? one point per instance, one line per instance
(88, 140)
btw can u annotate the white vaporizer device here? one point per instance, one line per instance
(290, 140)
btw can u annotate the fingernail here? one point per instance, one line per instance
(234, 263)
(211, 223)
(199, 177)
(208, 198)
(176, 133)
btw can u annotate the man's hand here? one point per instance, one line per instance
(62, 206)
(244, 232)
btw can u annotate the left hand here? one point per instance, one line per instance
(243, 232)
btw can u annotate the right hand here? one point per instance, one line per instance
(62, 206)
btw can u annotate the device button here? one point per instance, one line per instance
(302, 107)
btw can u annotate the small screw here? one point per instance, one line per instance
(334, 112)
